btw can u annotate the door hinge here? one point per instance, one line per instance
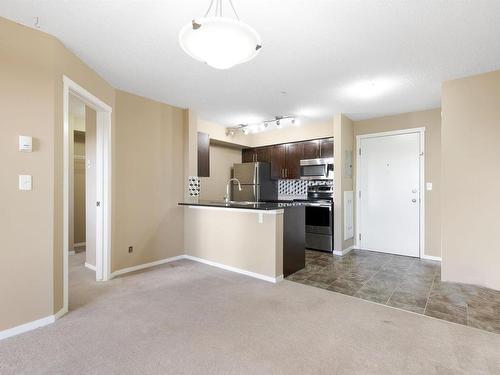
(360, 151)
(359, 194)
(360, 236)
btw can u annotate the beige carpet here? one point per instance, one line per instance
(189, 318)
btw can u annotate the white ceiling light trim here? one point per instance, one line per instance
(220, 42)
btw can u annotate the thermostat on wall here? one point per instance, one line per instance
(25, 143)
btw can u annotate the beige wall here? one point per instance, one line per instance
(222, 159)
(26, 221)
(431, 121)
(471, 180)
(190, 141)
(276, 136)
(343, 131)
(292, 134)
(245, 244)
(90, 185)
(218, 132)
(79, 187)
(149, 170)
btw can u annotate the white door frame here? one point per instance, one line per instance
(421, 132)
(103, 180)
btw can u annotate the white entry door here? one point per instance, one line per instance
(389, 193)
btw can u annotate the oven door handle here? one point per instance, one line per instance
(319, 205)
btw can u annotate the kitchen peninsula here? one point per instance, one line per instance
(262, 240)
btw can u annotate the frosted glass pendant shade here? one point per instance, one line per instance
(219, 41)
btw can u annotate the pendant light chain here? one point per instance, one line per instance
(209, 7)
(234, 10)
(218, 8)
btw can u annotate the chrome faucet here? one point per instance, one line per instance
(227, 198)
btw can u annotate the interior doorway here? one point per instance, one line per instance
(389, 184)
(97, 206)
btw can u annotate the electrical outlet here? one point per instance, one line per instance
(130, 249)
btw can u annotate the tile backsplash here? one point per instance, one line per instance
(292, 188)
(194, 186)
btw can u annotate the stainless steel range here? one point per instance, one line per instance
(319, 216)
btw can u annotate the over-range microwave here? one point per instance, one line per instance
(316, 169)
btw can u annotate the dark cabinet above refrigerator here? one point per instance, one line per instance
(285, 158)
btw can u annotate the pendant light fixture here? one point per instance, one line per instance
(219, 41)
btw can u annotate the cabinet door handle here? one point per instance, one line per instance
(286, 172)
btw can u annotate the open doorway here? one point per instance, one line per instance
(87, 186)
(82, 197)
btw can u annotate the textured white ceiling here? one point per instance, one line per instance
(312, 49)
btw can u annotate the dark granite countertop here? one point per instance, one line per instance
(266, 206)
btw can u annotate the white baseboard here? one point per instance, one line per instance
(431, 257)
(200, 260)
(237, 270)
(145, 265)
(345, 251)
(60, 313)
(90, 266)
(52, 318)
(30, 326)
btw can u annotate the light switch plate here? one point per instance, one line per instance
(24, 182)
(429, 186)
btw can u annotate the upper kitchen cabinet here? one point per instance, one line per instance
(294, 154)
(203, 155)
(248, 155)
(326, 148)
(252, 155)
(285, 158)
(278, 161)
(311, 149)
(263, 154)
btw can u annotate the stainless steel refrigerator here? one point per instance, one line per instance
(256, 183)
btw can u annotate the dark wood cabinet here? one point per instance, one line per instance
(311, 149)
(248, 155)
(326, 148)
(252, 155)
(294, 154)
(203, 155)
(263, 154)
(285, 158)
(278, 161)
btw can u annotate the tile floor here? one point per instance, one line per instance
(407, 283)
